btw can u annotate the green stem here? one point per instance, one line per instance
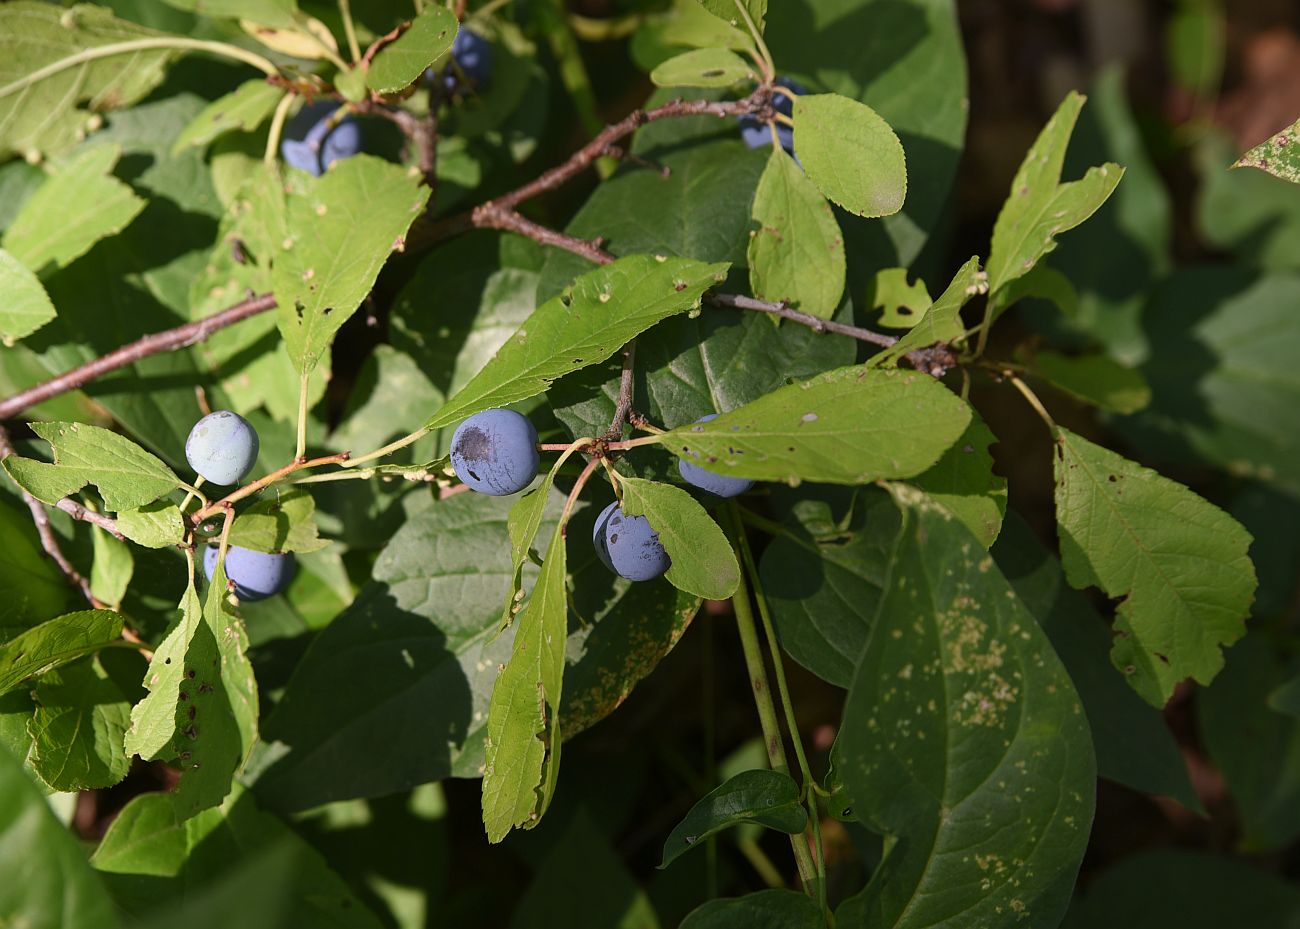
(277, 129)
(345, 10)
(388, 449)
(769, 66)
(303, 384)
(138, 45)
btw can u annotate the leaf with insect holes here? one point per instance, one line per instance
(768, 798)
(703, 562)
(126, 475)
(341, 228)
(523, 728)
(603, 310)
(796, 253)
(282, 522)
(703, 67)
(401, 62)
(1279, 155)
(78, 205)
(56, 642)
(1179, 563)
(51, 114)
(851, 153)
(847, 426)
(244, 109)
(942, 320)
(901, 303)
(523, 524)
(27, 306)
(1040, 207)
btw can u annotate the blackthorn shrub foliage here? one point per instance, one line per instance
(733, 387)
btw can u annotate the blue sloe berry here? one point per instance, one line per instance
(473, 55)
(757, 134)
(311, 145)
(704, 479)
(222, 447)
(495, 452)
(256, 575)
(628, 545)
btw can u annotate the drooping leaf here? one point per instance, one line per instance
(1178, 562)
(127, 476)
(281, 522)
(56, 642)
(1040, 207)
(1279, 155)
(244, 109)
(154, 525)
(78, 205)
(523, 727)
(704, 67)
(703, 562)
(111, 571)
(77, 730)
(342, 229)
(847, 426)
(401, 62)
(605, 308)
(27, 306)
(851, 153)
(768, 798)
(796, 254)
(941, 321)
(963, 482)
(766, 909)
(964, 742)
(1096, 379)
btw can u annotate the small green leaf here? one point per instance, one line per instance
(77, 730)
(341, 229)
(523, 729)
(901, 304)
(850, 153)
(111, 571)
(351, 84)
(1096, 379)
(1279, 156)
(56, 642)
(277, 13)
(1042, 281)
(127, 476)
(244, 108)
(77, 206)
(523, 524)
(766, 909)
(796, 254)
(735, 11)
(284, 521)
(847, 426)
(27, 306)
(942, 320)
(1040, 207)
(427, 39)
(703, 562)
(154, 525)
(703, 67)
(768, 798)
(963, 482)
(604, 310)
(1178, 562)
(690, 25)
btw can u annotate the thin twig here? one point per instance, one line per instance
(491, 215)
(298, 464)
(77, 511)
(626, 380)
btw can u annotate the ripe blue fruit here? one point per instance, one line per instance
(628, 545)
(704, 479)
(222, 447)
(473, 55)
(757, 134)
(495, 452)
(311, 145)
(257, 575)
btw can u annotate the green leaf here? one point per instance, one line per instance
(401, 62)
(523, 524)
(963, 741)
(942, 320)
(848, 426)
(604, 309)
(1279, 155)
(688, 24)
(78, 205)
(735, 11)
(523, 728)
(768, 798)
(51, 114)
(127, 476)
(281, 522)
(766, 909)
(110, 572)
(796, 254)
(704, 67)
(77, 730)
(1178, 562)
(1042, 282)
(1095, 379)
(850, 153)
(244, 109)
(48, 884)
(703, 562)
(36, 588)
(341, 231)
(1040, 207)
(902, 304)
(154, 525)
(54, 643)
(963, 482)
(27, 305)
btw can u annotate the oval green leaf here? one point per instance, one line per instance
(851, 153)
(703, 562)
(768, 798)
(704, 67)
